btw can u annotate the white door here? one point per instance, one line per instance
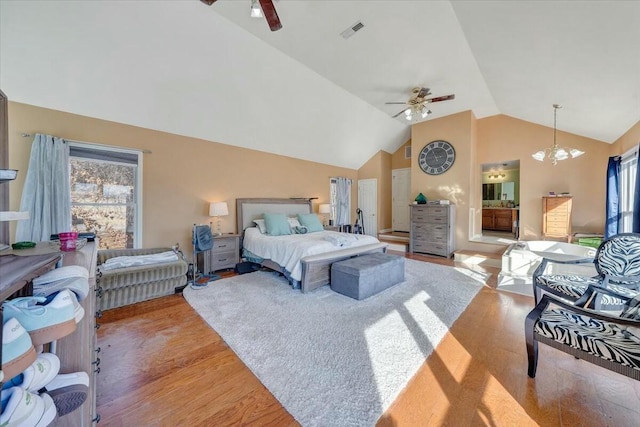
(401, 199)
(368, 203)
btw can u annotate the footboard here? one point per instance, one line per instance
(316, 269)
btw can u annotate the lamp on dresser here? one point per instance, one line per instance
(218, 209)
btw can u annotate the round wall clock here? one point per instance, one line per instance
(436, 157)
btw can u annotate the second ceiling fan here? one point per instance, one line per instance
(417, 103)
(268, 9)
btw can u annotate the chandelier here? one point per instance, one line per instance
(417, 111)
(556, 153)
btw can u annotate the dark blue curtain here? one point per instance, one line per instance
(613, 197)
(636, 197)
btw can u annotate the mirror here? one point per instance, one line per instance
(498, 191)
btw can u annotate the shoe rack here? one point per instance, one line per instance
(77, 351)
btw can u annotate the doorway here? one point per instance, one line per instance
(368, 203)
(501, 199)
(401, 199)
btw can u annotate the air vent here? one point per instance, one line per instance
(352, 30)
(407, 152)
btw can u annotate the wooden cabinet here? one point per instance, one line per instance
(77, 351)
(223, 255)
(556, 217)
(432, 229)
(503, 219)
(499, 219)
(488, 219)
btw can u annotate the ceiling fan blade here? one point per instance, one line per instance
(270, 14)
(208, 2)
(441, 98)
(393, 117)
(395, 103)
(423, 92)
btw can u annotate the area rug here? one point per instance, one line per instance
(331, 360)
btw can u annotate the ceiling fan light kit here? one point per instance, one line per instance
(256, 12)
(417, 104)
(556, 153)
(266, 8)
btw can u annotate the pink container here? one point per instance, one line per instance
(68, 241)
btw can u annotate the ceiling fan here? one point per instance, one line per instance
(268, 9)
(417, 103)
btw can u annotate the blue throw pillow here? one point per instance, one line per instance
(277, 224)
(311, 221)
(300, 229)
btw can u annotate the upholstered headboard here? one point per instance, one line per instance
(249, 209)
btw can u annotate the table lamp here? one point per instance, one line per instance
(218, 209)
(324, 209)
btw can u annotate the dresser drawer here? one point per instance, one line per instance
(431, 248)
(224, 244)
(222, 260)
(419, 216)
(438, 211)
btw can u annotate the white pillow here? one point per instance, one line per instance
(261, 225)
(293, 223)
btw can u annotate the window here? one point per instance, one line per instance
(106, 194)
(628, 171)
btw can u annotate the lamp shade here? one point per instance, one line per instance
(324, 208)
(218, 209)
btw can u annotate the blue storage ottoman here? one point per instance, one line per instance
(366, 275)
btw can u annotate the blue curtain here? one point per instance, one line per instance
(613, 197)
(343, 201)
(636, 197)
(47, 193)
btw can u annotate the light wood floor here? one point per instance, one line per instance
(162, 365)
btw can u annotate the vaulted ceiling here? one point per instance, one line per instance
(304, 91)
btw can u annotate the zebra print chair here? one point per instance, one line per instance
(617, 263)
(603, 338)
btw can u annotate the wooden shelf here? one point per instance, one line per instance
(17, 271)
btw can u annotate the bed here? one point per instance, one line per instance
(304, 259)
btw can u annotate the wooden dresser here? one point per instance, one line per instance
(556, 217)
(432, 229)
(77, 351)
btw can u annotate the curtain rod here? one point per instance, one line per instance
(27, 135)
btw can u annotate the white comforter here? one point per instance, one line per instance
(287, 251)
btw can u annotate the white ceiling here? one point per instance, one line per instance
(304, 91)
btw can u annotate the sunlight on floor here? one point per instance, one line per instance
(475, 275)
(493, 401)
(399, 341)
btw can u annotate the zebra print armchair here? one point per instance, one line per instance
(603, 338)
(617, 263)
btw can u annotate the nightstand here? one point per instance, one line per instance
(223, 255)
(332, 228)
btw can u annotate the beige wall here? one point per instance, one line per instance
(503, 138)
(455, 184)
(181, 176)
(626, 142)
(379, 168)
(397, 158)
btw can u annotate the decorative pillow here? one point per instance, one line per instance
(261, 225)
(300, 229)
(293, 223)
(277, 224)
(311, 221)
